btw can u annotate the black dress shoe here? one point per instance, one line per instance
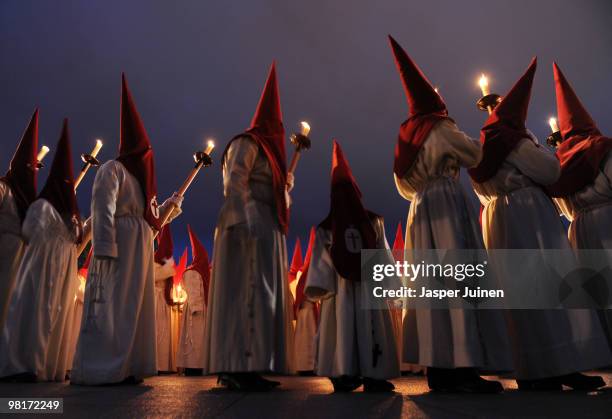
(263, 383)
(443, 380)
(474, 383)
(542, 384)
(371, 385)
(578, 381)
(345, 383)
(131, 381)
(193, 372)
(235, 381)
(25, 377)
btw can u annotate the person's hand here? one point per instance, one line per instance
(176, 200)
(290, 181)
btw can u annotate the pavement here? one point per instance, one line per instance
(308, 397)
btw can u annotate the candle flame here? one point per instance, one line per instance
(210, 145)
(483, 82)
(305, 128)
(436, 90)
(42, 153)
(554, 127)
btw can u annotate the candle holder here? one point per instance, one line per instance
(89, 159)
(489, 101)
(554, 139)
(202, 158)
(36, 166)
(300, 141)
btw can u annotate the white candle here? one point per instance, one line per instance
(210, 145)
(483, 82)
(42, 153)
(96, 149)
(305, 128)
(554, 127)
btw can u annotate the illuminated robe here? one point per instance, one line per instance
(117, 338)
(519, 215)
(77, 315)
(351, 340)
(590, 213)
(36, 335)
(305, 335)
(12, 246)
(441, 217)
(249, 313)
(190, 351)
(166, 356)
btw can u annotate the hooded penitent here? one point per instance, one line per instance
(59, 188)
(296, 261)
(583, 147)
(199, 262)
(136, 154)
(299, 291)
(21, 175)
(180, 268)
(505, 127)
(426, 109)
(398, 243)
(85, 267)
(268, 132)
(348, 220)
(164, 252)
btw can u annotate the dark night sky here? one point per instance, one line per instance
(196, 69)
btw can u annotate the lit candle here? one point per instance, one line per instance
(436, 90)
(483, 82)
(42, 153)
(305, 128)
(210, 145)
(97, 148)
(554, 127)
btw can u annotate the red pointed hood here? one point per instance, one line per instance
(180, 268)
(200, 262)
(296, 261)
(583, 148)
(136, 154)
(85, 267)
(348, 220)
(426, 109)
(398, 243)
(268, 132)
(573, 117)
(505, 127)
(21, 175)
(301, 286)
(165, 245)
(59, 188)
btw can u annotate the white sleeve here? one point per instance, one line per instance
(466, 149)
(535, 162)
(404, 187)
(238, 164)
(103, 207)
(321, 281)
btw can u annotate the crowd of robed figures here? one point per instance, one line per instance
(251, 315)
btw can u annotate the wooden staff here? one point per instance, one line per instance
(89, 160)
(201, 158)
(301, 142)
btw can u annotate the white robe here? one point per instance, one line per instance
(75, 322)
(166, 357)
(249, 313)
(518, 215)
(590, 213)
(117, 338)
(441, 217)
(305, 337)
(190, 351)
(352, 340)
(36, 335)
(12, 246)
